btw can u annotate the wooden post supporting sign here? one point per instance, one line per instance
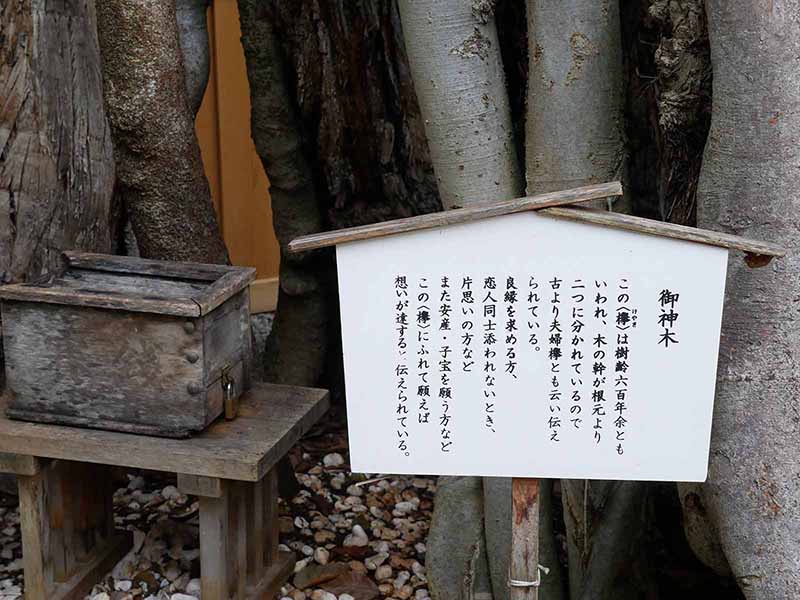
(524, 577)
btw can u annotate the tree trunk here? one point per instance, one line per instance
(337, 126)
(749, 186)
(458, 74)
(574, 126)
(683, 67)
(56, 164)
(193, 38)
(574, 137)
(299, 341)
(160, 173)
(56, 161)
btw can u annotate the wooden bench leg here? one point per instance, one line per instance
(239, 555)
(68, 536)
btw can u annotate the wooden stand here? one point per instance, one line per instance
(523, 580)
(66, 509)
(67, 522)
(239, 555)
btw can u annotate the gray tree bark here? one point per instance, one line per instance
(160, 173)
(574, 136)
(573, 132)
(683, 96)
(749, 185)
(455, 62)
(458, 75)
(193, 38)
(56, 163)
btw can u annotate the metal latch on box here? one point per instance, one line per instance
(228, 393)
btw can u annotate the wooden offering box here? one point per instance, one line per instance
(128, 344)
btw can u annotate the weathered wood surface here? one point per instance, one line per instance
(143, 266)
(134, 284)
(225, 342)
(199, 485)
(274, 577)
(98, 299)
(271, 419)
(473, 212)
(214, 535)
(19, 464)
(552, 204)
(524, 565)
(109, 369)
(68, 536)
(225, 287)
(239, 554)
(35, 535)
(57, 165)
(670, 230)
(72, 360)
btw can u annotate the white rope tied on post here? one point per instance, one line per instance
(516, 583)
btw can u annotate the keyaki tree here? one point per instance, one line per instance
(369, 110)
(491, 98)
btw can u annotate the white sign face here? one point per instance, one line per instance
(528, 346)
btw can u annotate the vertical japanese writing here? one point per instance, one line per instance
(489, 352)
(667, 319)
(533, 318)
(467, 325)
(578, 289)
(510, 299)
(401, 367)
(625, 321)
(554, 354)
(423, 320)
(599, 345)
(445, 365)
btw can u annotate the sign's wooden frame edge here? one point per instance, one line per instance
(552, 204)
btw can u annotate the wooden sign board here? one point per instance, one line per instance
(528, 346)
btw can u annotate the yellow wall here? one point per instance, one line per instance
(238, 183)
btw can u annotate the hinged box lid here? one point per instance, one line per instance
(135, 284)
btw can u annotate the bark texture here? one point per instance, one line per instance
(701, 533)
(337, 126)
(160, 173)
(296, 348)
(667, 73)
(455, 59)
(749, 185)
(683, 87)
(574, 125)
(56, 163)
(193, 37)
(459, 79)
(574, 136)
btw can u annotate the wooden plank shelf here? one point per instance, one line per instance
(271, 418)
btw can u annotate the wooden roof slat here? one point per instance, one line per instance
(553, 204)
(663, 229)
(473, 212)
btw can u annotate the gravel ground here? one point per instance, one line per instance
(355, 538)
